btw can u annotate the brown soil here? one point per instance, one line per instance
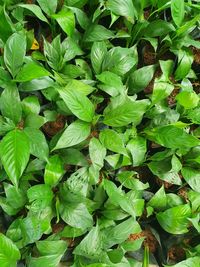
(171, 100)
(147, 13)
(164, 183)
(58, 227)
(150, 240)
(176, 254)
(183, 192)
(53, 127)
(196, 53)
(149, 55)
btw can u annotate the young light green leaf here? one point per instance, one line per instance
(178, 10)
(137, 148)
(97, 152)
(159, 200)
(97, 33)
(66, 20)
(75, 133)
(78, 103)
(54, 170)
(9, 253)
(14, 153)
(192, 177)
(188, 99)
(98, 52)
(49, 7)
(14, 52)
(36, 10)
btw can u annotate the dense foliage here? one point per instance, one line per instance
(99, 126)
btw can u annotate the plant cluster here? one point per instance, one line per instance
(99, 133)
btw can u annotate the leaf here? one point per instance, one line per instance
(188, 99)
(159, 200)
(75, 133)
(54, 170)
(172, 137)
(129, 180)
(49, 7)
(161, 90)
(78, 103)
(91, 245)
(6, 27)
(79, 86)
(14, 52)
(123, 8)
(76, 215)
(112, 141)
(178, 10)
(185, 59)
(9, 253)
(126, 112)
(158, 28)
(98, 52)
(97, 33)
(97, 152)
(38, 144)
(10, 104)
(190, 262)
(36, 10)
(175, 220)
(31, 71)
(30, 104)
(51, 247)
(192, 177)
(66, 20)
(137, 148)
(14, 153)
(140, 78)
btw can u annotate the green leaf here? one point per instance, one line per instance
(140, 78)
(185, 59)
(178, 11)
(112, 141)
(98, 52)
(190, 262)
(36, 10)
(78, 103)
(14, 52)
(46, 247)
(66, 20)
(30, 104)
(79, 86)
(9, 253)
(91, 245)
(14, 153)
(6, 28)
(192, 177)
(137, 148)
(75, 133)
(129, 180)
(175, 220)
(159, 200)
(125, 112)
(76, 215)
(10, 104)
(123, 8)
(38, 144)
(49, 7)
(158, 28)
(97, 33)
(31, 71)
(188, 99)
(172, 137)
(161, 90)
(97, 152)
(54, 170)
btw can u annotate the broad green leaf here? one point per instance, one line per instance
(172, 137)
(129, 180)
(75, 133)
(31, 71)
(79, 86)
(36, 84)
(161, 90)
(192, 177)
(6, 28)
(185, 59)
(98, 52)
(14, 153)
(76, 215)
(111, 83)
(97, 33)
(97, 152)
(137, 148)
(9, 253)
(46, 247)
(123, 8)
(158, 28)
(188, 99)
(175, 220)
(30, 104)
(81, 17)
(49, 7)
(66, 20)
(91, 245)
(49, 260)
(140, 78)
(38, 144)
(190, 262)
(10, 104)
(178, 10)
(112, 141)
(54, 170)
(36, 10)
(14, 52)
(78, 103)
(126, 112)
(159, 200)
